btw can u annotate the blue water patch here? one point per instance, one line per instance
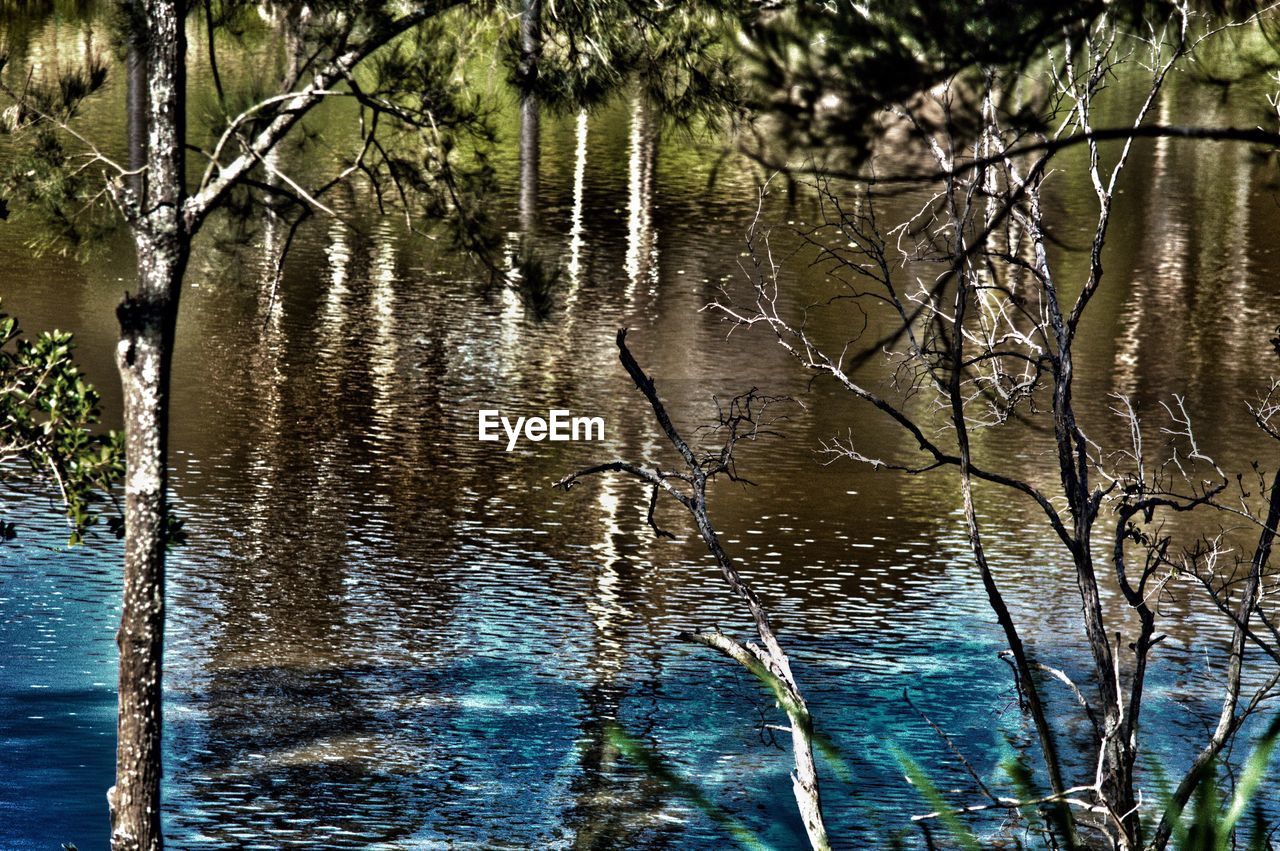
(58, 615)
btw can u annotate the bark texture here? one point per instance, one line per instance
(144, 356)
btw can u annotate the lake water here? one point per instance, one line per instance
(384, 633)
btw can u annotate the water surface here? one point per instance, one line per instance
(386, 634)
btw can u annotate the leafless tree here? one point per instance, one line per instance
(988, 343)
(742, 419)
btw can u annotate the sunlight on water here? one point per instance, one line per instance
(385, 634)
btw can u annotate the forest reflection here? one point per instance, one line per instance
(387, 634)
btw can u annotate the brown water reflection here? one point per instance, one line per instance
(387, 634)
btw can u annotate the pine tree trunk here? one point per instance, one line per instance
(144, 357)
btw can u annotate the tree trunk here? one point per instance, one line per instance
(144, 356)
(529, 157)
(527, 76)
(135, 100)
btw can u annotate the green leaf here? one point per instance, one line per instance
(49, 419)
(1255, 769)
(659, 768)
(935, 801)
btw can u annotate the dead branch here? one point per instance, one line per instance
(766, 660)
